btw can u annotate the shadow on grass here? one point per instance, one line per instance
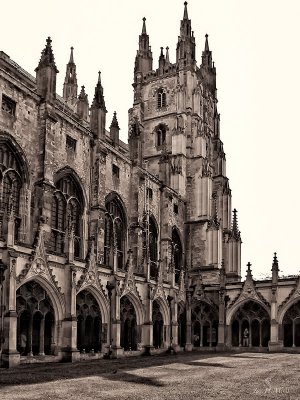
(115, 370)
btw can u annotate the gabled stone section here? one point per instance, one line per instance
(91, 276)
(249, 291)
(199, 292)
(129, 284)
(181, 295)
(293, 294)
(159, 291)
(38, 264)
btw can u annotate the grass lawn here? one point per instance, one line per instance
(184, 376)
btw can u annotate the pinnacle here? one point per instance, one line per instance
(144, 32)
(47, 57)
(185, 13)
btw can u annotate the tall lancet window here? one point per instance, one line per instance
(11, 182)
(161, 133)
(153, 243)
(66, 215)
(115, 233)
(161, 98)
(177, 258)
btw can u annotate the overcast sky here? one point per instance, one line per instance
(255, 45)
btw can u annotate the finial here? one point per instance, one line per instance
(71, 56)
(47, 57)
(185, 13)
(275, 262)
(206, 43)
(161, 51)
(235, 228)
(144, 27)
(249, 272)
(114, 122)
(167, 54)
(99, 76)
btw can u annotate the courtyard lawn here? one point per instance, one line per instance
(183, 376)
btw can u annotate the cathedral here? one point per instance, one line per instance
(109, 249)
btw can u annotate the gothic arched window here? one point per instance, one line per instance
(153, 240)
(161, 98)
(11, 182)
(115, 232)
(176, 254)
(161, 135)
(67, 209)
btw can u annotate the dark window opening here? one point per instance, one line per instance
(8, 105)
(175, 208)
(149, 194)
(115, 171)
(161, 135)
(70, 144)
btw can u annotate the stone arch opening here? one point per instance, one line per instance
(158, 325)
(250, 326)
(204, 324)
(36, 320)
(181, 325)
(89, 323)
(291, 326)
(129, 331)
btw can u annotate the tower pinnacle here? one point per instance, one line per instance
(186, 46)
(185, 13)
(70, 83)
(144, 27)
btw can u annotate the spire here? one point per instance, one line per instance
(167, 55)
(98, 101)
(47, 57)
(206, 55)
(143, 59)
(70, 83)
(185, 13)
(275, 262)
(206, 48)
(46, 74)
(186, 46)
(71, 61)
(83, 104)
(275, 270)
(249, 271)
(235, 229)
(161, 61)
(114, 122)
(208, 70)
(144, 27)
(98, 111)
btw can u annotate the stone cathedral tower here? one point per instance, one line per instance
(176, 108)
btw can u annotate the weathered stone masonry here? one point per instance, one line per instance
(114, 248)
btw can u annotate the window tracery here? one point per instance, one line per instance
(67, 209)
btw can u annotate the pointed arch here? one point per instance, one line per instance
(231, 313)
(101, 301)
(56, 298)
(68, 204)
(8, 141)
(14, 180)
(138, 307)
(115, 237)
(164, 308)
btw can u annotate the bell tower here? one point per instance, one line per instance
(175, 109)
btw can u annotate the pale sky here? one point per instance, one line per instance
(255, 45)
